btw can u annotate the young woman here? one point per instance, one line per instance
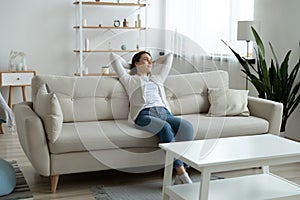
(149, 109)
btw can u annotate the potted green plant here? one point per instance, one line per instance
(272, 82)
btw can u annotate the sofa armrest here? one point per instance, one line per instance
(268, 110)
(32, 137)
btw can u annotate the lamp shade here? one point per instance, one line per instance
(244, 31)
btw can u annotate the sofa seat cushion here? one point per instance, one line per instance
(214, 127)
(99, 135)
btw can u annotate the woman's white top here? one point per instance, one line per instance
(135, 85)
(153, 96)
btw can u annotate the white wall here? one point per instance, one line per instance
(280, 26)
(44, 31)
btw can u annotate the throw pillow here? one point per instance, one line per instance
(228, 102)
(48, 109)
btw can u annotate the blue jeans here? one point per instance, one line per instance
(160, 122)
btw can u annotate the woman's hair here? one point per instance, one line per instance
(136, 58)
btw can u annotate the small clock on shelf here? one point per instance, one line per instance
(117, 23)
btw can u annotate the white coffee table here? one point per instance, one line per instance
(224, 154)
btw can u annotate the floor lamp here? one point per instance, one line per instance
(244, 33)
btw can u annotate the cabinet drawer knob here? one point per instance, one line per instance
(18, 78)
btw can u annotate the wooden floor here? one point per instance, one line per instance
(77, 186)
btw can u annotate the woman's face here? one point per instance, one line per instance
(144, 65)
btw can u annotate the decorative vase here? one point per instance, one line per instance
(87, 44)
(123, 47)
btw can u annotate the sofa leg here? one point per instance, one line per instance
(1, 129)
(54, 182)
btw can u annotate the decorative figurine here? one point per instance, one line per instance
(125, 23)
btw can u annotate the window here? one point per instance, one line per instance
(208, 21)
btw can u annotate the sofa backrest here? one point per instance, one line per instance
(187, 93)
(86, 98)
(104, 98)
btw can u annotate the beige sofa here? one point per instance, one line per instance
(96, 135)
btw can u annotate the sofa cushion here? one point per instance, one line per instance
(48, 109)
(86, 98)
(82, 136)
(227, 102)
(187, 93)
(107, 99)
(215, 127)
(98, 135)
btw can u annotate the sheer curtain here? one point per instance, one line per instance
(208, 21)
(205, 23)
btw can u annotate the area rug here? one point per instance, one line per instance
(142, 191)
(149, 190)
(22, 190)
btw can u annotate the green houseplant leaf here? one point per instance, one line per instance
(272, 82)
